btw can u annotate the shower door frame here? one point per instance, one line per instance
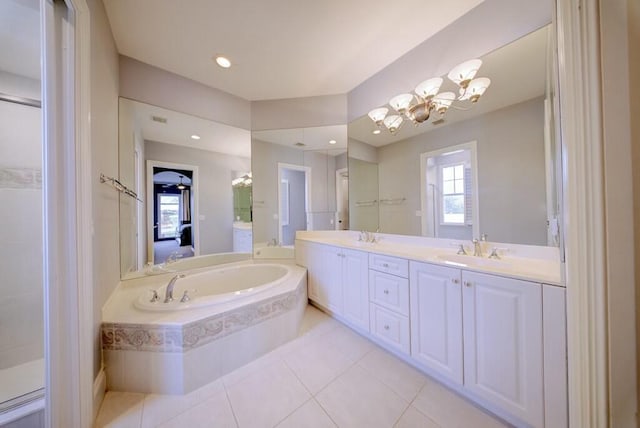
(68, 180)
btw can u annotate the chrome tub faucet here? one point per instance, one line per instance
(168, 297)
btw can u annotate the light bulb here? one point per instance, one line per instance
(462, 74)
(443, 101)
(378, 114)
(401, 102)
(476, 88)
(393, 123)
(429, 88)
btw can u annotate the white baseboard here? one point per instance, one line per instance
(99, 390)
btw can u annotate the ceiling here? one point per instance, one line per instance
(20, 37)
(313, 138)
(179, 127)
(279, 48)
(517, 72)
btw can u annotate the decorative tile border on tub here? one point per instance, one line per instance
(20, 178)
(158, 338)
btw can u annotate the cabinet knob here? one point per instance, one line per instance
(386, 327)
(468, 283)
(386, 291)
(385, 265)
(455, 281)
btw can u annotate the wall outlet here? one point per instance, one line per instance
(418, 213)
(201, 217)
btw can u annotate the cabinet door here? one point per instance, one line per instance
(355, 287)
(310, 256)
(330, 284)
(503, 343)
(436, 319)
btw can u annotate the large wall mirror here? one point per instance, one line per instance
(491, 169)
(300, 183)
(193, 180)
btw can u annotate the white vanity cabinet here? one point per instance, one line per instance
(436, 319)
(337, 280)
(503, 343)
(482, 334)
(389, 296)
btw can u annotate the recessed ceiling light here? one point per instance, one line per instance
(376, 131)
(195, 137)
(332, 141)
(223, 62)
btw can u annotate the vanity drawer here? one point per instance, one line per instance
(392, 265)
(391, 328)
(389, 291)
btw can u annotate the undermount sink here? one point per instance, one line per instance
(459, 259)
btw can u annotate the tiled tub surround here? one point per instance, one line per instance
(176, 352)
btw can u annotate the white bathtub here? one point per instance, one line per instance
(237, 312)
(215, 286)
(263, 251)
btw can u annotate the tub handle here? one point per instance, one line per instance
(185, 297)
(154, 297)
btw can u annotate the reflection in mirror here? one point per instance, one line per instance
(491, 169)
(194, 178)
(300, 183)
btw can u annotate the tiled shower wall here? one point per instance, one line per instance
(21, 283)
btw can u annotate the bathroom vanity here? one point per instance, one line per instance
(493, 330)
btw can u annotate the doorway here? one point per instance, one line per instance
(171, 211)
(293, 201)
(342, 199)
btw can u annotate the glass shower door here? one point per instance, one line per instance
(21, 209)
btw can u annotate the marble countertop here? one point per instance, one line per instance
(525, 262)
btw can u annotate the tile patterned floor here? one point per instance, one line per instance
(328, 377)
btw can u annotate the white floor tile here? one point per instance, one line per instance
(317, 364)
(120, 410)
(160, 408)
(243, 372)
(414, 419)
(316, 322)
(351, 344)
(393, 372)
(357, 399)
(449, 410)
(213, 412)
(267, 396)
(310, 415)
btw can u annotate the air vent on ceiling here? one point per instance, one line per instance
(438, 122)
(299, 144)
(159, 119)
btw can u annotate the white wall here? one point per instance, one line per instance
(215, 193)
(152, 85)
(617, 119)
(511, 174)
(363, 191)
(491, 24)
(297, 216)
(104, 159)
(299, 112)
(21, 306)
(265, 157)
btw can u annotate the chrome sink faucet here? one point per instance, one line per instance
(477, 245)
(477, 248)
(168, 297)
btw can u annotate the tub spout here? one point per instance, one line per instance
(168, 297)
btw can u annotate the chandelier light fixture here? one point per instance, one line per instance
(418, 107)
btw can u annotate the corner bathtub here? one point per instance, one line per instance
(236, 313)
(216, 286)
